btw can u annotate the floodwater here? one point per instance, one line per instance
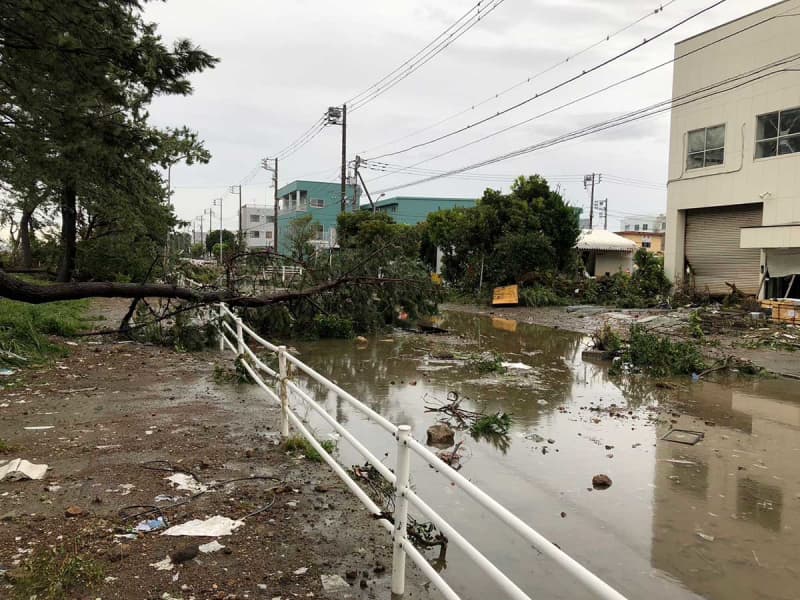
(719, 519)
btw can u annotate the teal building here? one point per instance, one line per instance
(323, 202)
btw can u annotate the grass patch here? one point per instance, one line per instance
(301, 445)
(24, 329)
(56, 573)
(5, 447)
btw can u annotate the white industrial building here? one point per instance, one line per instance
(258, 226)
(733, 205)
(645, 224)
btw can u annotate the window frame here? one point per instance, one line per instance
(316, 203)
(255, 218)
(778, 136)
(704, 152)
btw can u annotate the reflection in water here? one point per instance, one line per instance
(738, 487)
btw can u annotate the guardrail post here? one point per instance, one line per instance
(403, 472)
(284, 391)
(239, 337)
(220, 328)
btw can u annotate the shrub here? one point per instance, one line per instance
(541, 296)
(659, 356)
(56, 573)
(301, 445)
(489, 362)
(333, 326)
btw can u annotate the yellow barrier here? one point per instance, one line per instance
(508, 294)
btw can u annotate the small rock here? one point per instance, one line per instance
(363, 584)
(601, 482)
(351, 575)
(379, 568)
(609, 447)
(319, 488)
(563, 515)
(551, 441)
(181, 555)
(441, 435)
(74, 511)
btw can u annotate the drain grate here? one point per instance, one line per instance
(684, 436)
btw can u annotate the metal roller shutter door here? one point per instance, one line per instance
(712, 248)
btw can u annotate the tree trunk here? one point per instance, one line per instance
(68, 204)
(25, 231)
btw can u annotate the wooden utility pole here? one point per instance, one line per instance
(344, 157)
(357, 177)
(234, 189)
(591, 180)
(275, 224)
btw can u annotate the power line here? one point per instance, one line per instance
(598, 91)
(528, 80)
(463, 24)
(556, 86)
(622, 119)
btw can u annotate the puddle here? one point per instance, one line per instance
(739, 485)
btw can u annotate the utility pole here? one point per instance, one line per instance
(357, 177)
(605, 214)
(265, 165)
(344, 157)
(234, 189)
(588, 180)
(218, 202)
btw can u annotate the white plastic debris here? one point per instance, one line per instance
(39, 427)
(334, 583)
(19, 469)
(517, 365)
(184, 481)
(163, 565)
(212, 527)
(210, 547)
(705, 536)
(301, 571)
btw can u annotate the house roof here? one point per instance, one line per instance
(600, 239)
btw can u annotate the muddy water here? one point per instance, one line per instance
(719, 519)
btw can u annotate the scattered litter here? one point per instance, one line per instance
(110, 579)
(7, 372)
(676, 461)
(125, 488)
(149, 525)
(683, 436)
(163, 565)
(126, 536)
(108, 447)
(333, 583)
(184, 481)
(212, 527)
(542, 402)
(163, 498)
(705, 536)
(39, 427)
(517, 365)
(301, 571)
(211, 547)
(19, 469)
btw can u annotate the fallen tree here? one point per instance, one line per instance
(14, 288)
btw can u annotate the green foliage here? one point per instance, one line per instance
(506, 236)
(333, 326)
(496, 424)
(659, 356)
(606, 339)
(541, 296)
(299, 235)
(56, 573)
(365, 229)
(5, 447)
(24, 327)
(186, 332)
(696, 325)
(212, 240)
(77, 80)
(299, 444)
(489, 362)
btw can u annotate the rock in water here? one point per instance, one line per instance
(441, 435)
(601, 482)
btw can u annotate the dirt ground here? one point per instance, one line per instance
(736, 342)
(121, 418)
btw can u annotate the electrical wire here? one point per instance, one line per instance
(526, 81)
(461, 26)
(599, 91)
(624, 119)
(557, 86)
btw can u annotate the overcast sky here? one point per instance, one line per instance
(283, 63)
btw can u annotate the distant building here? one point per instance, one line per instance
(258, 224)
(656, 224)
(415, 209)
(651, 241)
(733, 201)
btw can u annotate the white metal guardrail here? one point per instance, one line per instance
(234, 336)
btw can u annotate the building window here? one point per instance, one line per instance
(317, 203)
(644, 227)
(706, 147)
(778, 133)
(646, 243)
(255, 218)
(627, 227)
(255, 235)
(636, 227)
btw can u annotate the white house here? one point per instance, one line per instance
(258, 225)
(604, 252)
(645, 224)
(733, 203)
